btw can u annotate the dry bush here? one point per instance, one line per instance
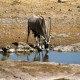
(16, 2)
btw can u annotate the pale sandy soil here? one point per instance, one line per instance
(23, 70)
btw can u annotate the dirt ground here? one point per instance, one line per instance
(23, 70)
(65, 20)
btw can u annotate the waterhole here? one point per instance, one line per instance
(51, 56)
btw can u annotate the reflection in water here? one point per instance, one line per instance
(39, 56)
(23, 54)
(46, 57)
(5, 56)
(51, 56)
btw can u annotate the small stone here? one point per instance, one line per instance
(61, 1)
(78, 6)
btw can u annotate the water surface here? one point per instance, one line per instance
(51, 56)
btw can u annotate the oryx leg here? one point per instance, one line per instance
(42, 42)
(39, 39)
(37, 42)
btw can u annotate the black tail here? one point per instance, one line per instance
(28, 33)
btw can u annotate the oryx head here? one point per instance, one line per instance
(46, 40)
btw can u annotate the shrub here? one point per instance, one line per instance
(62, 79)
(16, 2)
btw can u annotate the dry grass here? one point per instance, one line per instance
(33, 67)
(23, 8)
(29, 6)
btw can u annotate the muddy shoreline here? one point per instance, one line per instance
(23, 70)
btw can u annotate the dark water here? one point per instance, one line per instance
(51, 56)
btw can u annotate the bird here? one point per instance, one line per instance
(15, 43)
(5, 49)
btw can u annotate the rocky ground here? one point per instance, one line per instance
(23, 70)
(68, 48)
